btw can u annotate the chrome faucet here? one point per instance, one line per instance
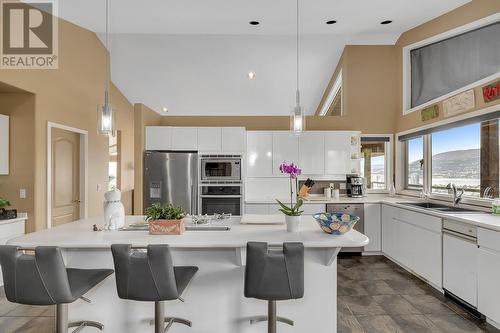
(457, 193)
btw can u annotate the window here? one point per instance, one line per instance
(332, 105)
(114, 165)
(465, 153)
(456, 156)
(415, 163)
(375, 165)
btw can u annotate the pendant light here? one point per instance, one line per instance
(106, 112)
(297, 118)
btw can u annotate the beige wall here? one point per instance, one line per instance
(368, 80)
(143, 116)
(368, 88)
(69, 96)
(20, 107)
(474, 10)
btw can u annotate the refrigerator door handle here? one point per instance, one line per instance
(194, 201)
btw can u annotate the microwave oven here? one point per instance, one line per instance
(220, 168)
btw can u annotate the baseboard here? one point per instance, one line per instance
(372, 253)
(493, 323)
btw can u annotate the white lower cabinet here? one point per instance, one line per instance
(414, 240)
(373, 227)
(460, 259)
(489, 273)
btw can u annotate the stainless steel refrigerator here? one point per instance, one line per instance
(171, 178)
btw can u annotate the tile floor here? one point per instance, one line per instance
(374, 295)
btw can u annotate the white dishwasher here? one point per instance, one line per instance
(460, 263)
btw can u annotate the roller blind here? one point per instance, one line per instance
(453, 63)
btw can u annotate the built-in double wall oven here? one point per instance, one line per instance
(221, 187)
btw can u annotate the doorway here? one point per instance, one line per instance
(66, 174)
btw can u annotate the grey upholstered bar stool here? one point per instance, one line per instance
(151, 277)
(43, 279)
(274, 276)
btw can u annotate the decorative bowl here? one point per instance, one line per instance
(336, 223)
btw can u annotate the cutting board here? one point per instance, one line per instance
(263, 219)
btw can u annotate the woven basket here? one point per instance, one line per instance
(167, 227)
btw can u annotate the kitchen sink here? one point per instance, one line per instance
(440, 208)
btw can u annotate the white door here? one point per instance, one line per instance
(259, 153)
(373, 227)
(312, 153)
(285, 149)
(184, 138)
(337, 153)
(65, 176)
(460, 268)
(209, 139)
(233, 139)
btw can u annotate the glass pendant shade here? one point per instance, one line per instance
(297, 120)
(107, 118)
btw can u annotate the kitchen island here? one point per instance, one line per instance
(214, 301)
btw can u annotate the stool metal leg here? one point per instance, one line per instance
(62, 318)
(271, 317)
(159, 317)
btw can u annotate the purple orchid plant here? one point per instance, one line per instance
(293, 171)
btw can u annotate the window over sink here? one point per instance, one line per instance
(464, 153)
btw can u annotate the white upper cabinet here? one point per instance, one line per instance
(184, 138)
(233, 139)
(158, 138)
(337, 153)
(312, 153)
(4, 145)
(209, 139)
(259, 153)
(285, 149)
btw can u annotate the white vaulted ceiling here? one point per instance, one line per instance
(193, 56)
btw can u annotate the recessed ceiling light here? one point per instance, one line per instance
(251, 75)
(386, 22)
(165, 109)
(331, 22)
(254, 22)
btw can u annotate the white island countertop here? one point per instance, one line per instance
(79, 234)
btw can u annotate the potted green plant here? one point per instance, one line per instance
(6, 214)
(292, 212)
(4, 203)
(165, 219)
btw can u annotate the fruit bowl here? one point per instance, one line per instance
(336, 223)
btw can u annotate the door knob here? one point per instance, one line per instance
(76, 201)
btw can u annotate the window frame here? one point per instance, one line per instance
(337, 86)
(400, 161)
(388, 156)
(407, 108)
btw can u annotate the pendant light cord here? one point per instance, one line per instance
(108, 64)
(297, 45)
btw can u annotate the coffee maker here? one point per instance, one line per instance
(355, 186)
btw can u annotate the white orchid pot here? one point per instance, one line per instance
(292, 223)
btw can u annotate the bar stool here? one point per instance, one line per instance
(151, 277)
(43, 279)
(274, 276)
